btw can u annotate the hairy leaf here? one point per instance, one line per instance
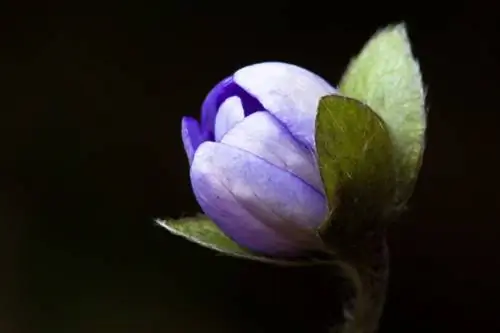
(386, 76)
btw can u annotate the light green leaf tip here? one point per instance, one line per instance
(356, 163)
(201, 230)
(386, 76)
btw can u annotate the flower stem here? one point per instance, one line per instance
(367, 271)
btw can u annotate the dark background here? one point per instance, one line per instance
(91, 152)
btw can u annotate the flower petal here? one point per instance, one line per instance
(263, 135)
(230, 113)
(191, 136)
(222, 91)
(260, 206)
(289, 92)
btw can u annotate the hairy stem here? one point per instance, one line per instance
(367, 272)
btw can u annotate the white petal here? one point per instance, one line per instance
(263, 135)
(255, 203)
(289, 92)
(230, 113)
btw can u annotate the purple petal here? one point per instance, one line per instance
(260, 206)
(262, 135)
(222, 91)
(289, 92)
(191, 136)
(230, 113)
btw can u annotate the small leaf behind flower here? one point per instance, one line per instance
(356, 164)
(201, 230)
(386, 76)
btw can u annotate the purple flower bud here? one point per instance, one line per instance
(252, 156)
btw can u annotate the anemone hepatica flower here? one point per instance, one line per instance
(252, 155)
(280, 162)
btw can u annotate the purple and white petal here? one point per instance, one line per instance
(263, 135)
(230, 113)
(257, 204)
(289, 92)
(191, 136)
(223, 90)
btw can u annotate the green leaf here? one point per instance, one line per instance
(386, 76)
(356, 163)
(201, 230)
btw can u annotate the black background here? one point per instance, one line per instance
(90, 152)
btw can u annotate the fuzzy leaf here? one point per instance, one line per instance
(356, 163)
(201, 230)
(386, 76)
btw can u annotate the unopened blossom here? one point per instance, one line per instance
(252, 158)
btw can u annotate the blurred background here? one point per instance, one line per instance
(90, 153)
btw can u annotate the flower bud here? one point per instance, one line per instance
(253, 162)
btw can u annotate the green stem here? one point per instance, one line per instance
(367, 271)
